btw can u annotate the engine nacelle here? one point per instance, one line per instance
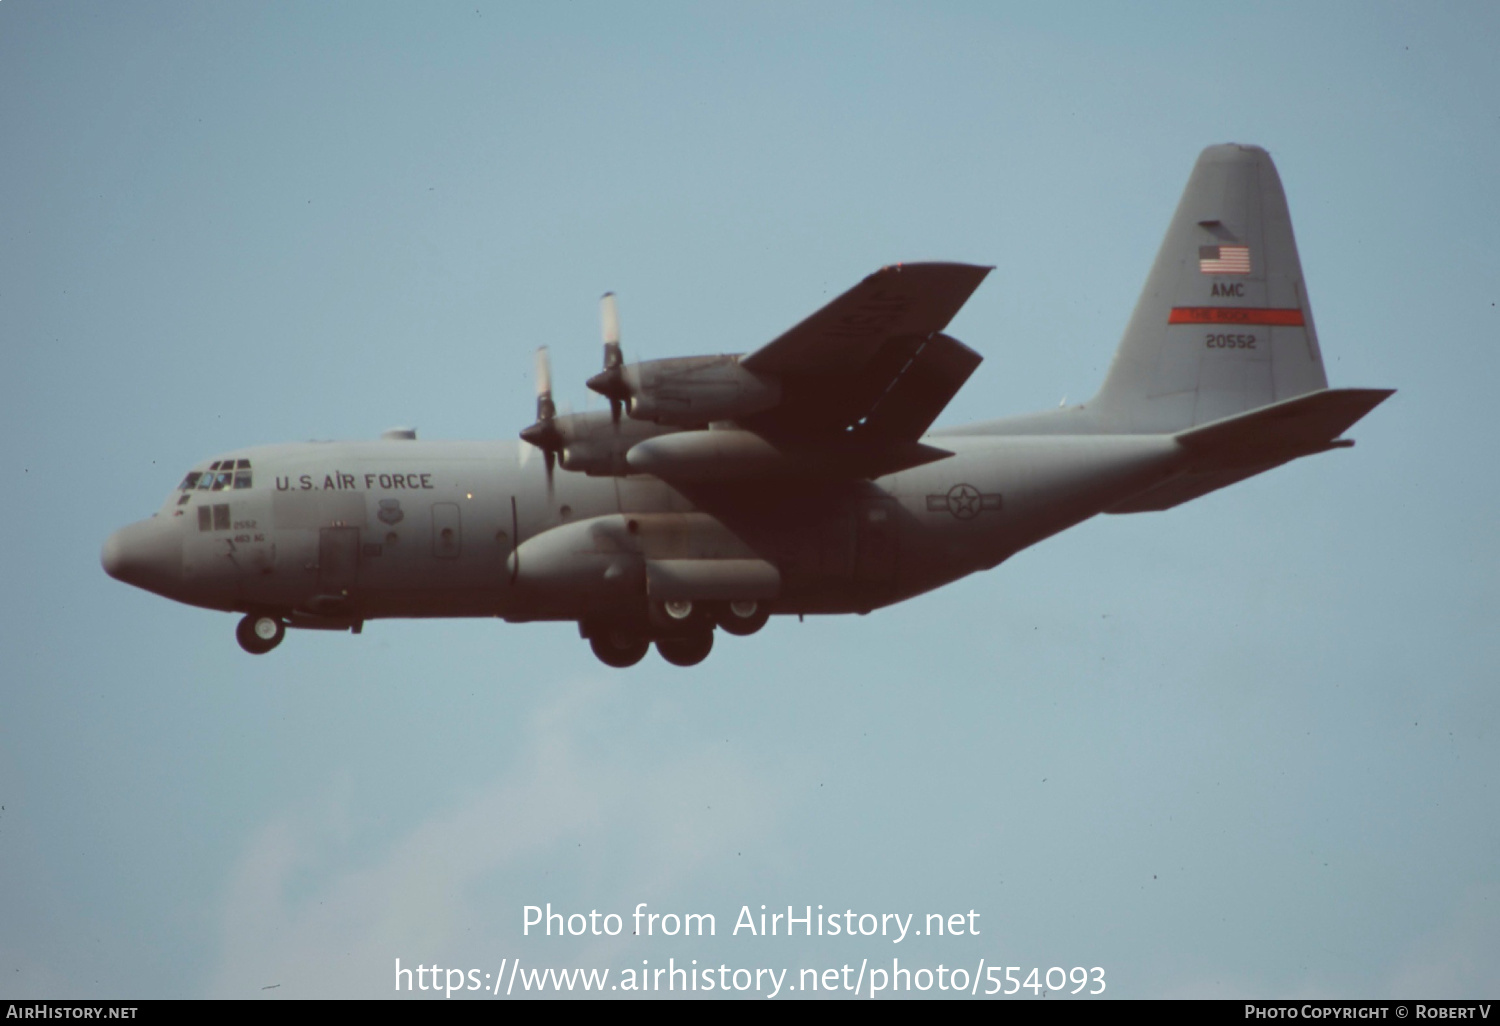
(591, 443)
(696, 390)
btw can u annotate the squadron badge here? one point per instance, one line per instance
(390, 512)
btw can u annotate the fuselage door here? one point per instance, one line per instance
(338, 559)
(875, 541)
(447, 538)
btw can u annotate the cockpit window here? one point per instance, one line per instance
(221, 474)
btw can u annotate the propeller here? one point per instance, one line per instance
(610, 382)
(544, 434)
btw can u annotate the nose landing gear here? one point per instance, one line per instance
(258, 633)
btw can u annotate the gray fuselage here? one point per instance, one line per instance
(350, 531)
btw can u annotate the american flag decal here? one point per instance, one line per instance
(1224, 259)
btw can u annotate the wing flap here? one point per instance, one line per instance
(921, 389)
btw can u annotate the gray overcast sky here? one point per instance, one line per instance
(1244, 747)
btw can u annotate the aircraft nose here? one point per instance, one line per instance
(147, 554)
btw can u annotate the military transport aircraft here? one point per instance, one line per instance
(716, 491)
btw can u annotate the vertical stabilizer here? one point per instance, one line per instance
(1224, 324)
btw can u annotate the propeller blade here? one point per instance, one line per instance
(545, 410)
(610, 382)
(544, 434)
(609, 319)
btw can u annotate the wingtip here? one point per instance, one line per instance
(918, 266)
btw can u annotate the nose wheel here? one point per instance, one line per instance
(258, 633)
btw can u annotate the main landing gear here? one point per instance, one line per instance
(687, 649)
(682, 631)
(743, 617)
(623, 646)
(258, 633)
(618, 647)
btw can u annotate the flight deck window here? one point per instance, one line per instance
(205, 518)
(221, 517)
(220, 475)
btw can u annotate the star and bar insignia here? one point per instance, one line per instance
(963, 501)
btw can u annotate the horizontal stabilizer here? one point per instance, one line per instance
(1307, 424)
(1234, 448)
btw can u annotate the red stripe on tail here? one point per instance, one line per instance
(1234, 315)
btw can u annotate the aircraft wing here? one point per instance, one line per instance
(872, 363)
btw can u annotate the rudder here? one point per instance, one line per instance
(1223, 324)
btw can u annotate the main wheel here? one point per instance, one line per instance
(743, 617)
(686, 649)
(619, 648)
(258, 633)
